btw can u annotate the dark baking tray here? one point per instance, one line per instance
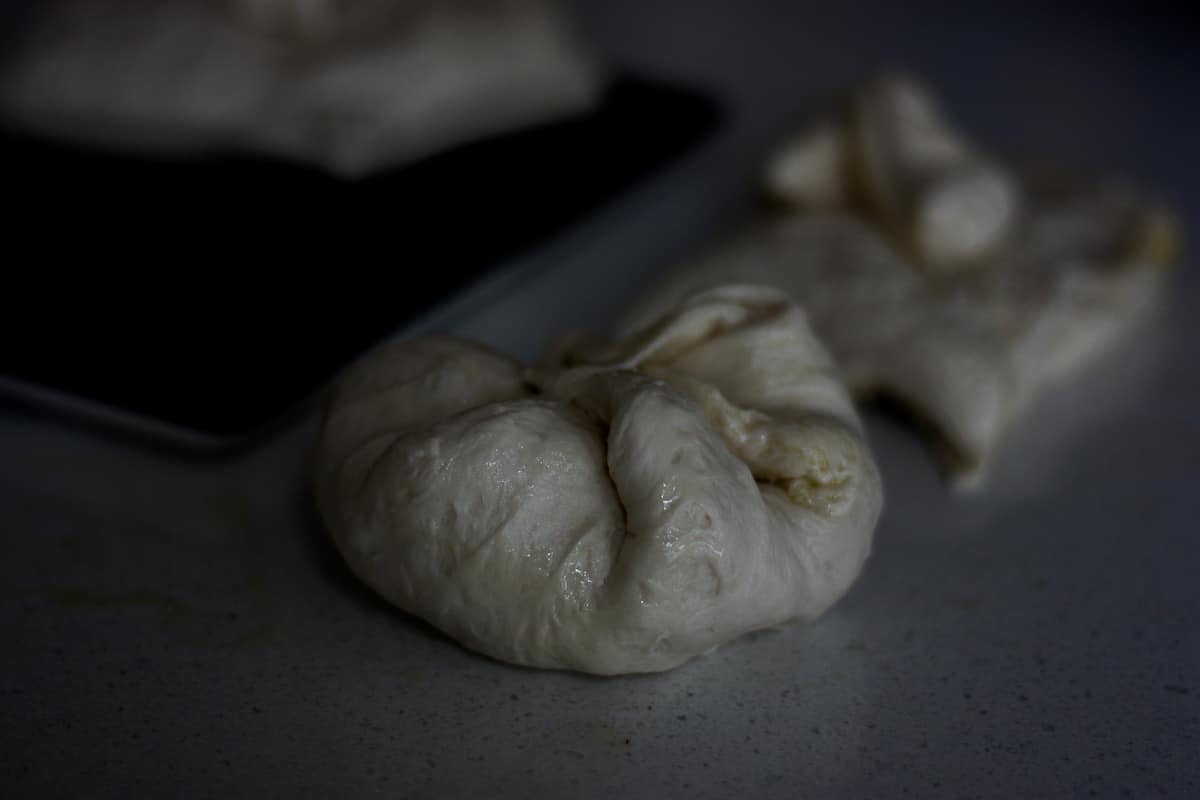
(212, 294)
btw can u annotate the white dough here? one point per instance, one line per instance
(954, 284)
(896, 159)
(348, 86)
(653, 499)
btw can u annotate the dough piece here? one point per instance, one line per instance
(647, 502)
(347, 86)
(965, 350)
(895, 158)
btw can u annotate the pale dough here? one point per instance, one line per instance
(348, 86)
(1036, 274)
(653, 499)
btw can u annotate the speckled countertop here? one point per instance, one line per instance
(180, 627)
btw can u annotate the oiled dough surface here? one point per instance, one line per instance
(653, 499)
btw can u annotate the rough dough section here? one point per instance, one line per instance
(624, 510)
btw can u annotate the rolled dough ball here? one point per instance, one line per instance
(640, 504)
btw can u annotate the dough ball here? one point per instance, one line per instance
(628, 508)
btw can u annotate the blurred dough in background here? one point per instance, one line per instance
(349, 86)
(939, 277)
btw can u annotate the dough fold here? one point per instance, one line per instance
(630, 506)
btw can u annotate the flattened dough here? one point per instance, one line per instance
(648, 501)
